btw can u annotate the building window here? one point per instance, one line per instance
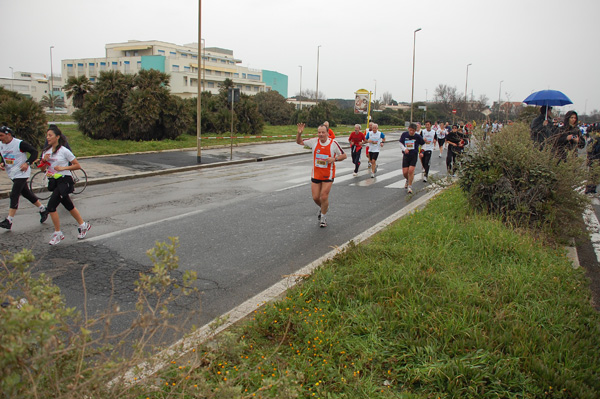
(139, 65)
(256, 89)
(213, 59)
(236, 75)
(217, 73)
(175, 68)
(194, 57)
(223, 61)
(92, 80)
(248, 88)
(80, 69)
(194, 82)
(161, 52)
(243, 76)
(184, 55)
(253, 77)
(70, 69)
(172, 54)
(228, 74)
(186, 69)
(126, 66)
(92, 68)
(115, 65)
(185, 80)
(103, 66)
(211, 85)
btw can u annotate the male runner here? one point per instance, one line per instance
(326, 152)
(409, 144)
(356, 139)
(330, 132)
(441, 137)
(375, 139)
(456, 144)
(430, 138)
(17, 165)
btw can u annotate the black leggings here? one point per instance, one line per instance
(19, 188)
(356, 157)
(426, 161)
(60, 194)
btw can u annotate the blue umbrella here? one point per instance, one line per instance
(548, 97)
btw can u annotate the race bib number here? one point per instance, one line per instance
(321, 160)
(410, 144)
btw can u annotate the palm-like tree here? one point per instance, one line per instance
(52, 101)
(78, 87)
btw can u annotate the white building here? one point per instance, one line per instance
(33, 85)
(181, 62)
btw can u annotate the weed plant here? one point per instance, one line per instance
(509, 176)
(445, 303)
(50, 351)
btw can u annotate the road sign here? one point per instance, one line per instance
(454, 111)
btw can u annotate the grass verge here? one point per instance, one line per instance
(84, 146)
(444, 303)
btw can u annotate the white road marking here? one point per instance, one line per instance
(127, 230)
(594, 228)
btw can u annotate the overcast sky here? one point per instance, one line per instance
(529, 45)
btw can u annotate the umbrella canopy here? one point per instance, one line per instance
(548, 97)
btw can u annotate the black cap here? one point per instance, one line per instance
(6, 129)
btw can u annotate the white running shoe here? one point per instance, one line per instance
(57, 237)
(354, 174)
(323, 222)
(372, 175)
(83, 230)
(425, 179)
(409, 190)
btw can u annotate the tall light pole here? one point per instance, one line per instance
(425, 95)
(51, 82)
(300, 66)
(317, 93)
(375, 94)
(199, 103)
(412, 93)
(499, 92)
(12, 78)
(466, 83)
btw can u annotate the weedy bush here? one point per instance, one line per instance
(509, 176)
(48, 350)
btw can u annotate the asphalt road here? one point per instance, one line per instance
(242, 228)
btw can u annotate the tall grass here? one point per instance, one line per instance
(444, 303)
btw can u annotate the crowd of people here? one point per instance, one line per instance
(17, 157)
(417, 144)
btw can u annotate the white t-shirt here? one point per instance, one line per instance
(378, 138)
(428, 136)
(62, 157)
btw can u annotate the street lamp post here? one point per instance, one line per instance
(12, 78)
(51, 82)
(199, 102)
(300, 87)
(375, 93)
(412, 93)
(317, 93)
(499, 92)
(466, 83)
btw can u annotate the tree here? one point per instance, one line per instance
(24, 116)
(320, 113)
(134, 107)
(447, 98)
(273, 108)
(52, 101)
(78, 87)
(387, 98)
(309, 94)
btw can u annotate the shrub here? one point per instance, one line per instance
(49, 351)
(24, 116)
(509, 176)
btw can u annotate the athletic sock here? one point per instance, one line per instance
(42, 208)
(9, 218)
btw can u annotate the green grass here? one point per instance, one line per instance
(84, 146)
(444, 303)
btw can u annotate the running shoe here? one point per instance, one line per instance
(440, 155)
(372, 175)
(369, 164)
(83, 230)
(425, 179)
(406, 184)
(44, 215)
(57, 237)
(376, 167)
(355, 174)
(6, 224)
(410, 190)
(323, 222)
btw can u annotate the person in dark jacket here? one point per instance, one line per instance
(568, 137)
(593, 156)
(542, 127)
